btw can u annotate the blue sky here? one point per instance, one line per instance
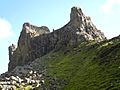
(105, 14)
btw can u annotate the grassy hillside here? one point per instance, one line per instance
(89, 66)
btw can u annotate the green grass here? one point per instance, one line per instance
(86, 67)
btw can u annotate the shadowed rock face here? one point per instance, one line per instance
(35, 42)
(22, 54)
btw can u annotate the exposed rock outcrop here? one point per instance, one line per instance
(22, 54)
(27, 66)
(35, 42)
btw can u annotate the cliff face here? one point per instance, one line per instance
(76, 56)
(35, 42)
(23, 53)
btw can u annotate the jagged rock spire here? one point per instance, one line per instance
(83, 26)
(75, 13)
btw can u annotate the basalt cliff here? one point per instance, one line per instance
(75, 57)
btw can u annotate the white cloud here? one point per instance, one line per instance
(5, 29)
(108, 5)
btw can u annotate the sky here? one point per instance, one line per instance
(105, 14)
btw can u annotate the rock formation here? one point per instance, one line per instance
(22, 54)
(27, 64)
(35, 42)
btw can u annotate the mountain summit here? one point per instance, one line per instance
(35, 42)
(76, 56)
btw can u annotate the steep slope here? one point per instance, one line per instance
(74, 57)
(88, 66)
